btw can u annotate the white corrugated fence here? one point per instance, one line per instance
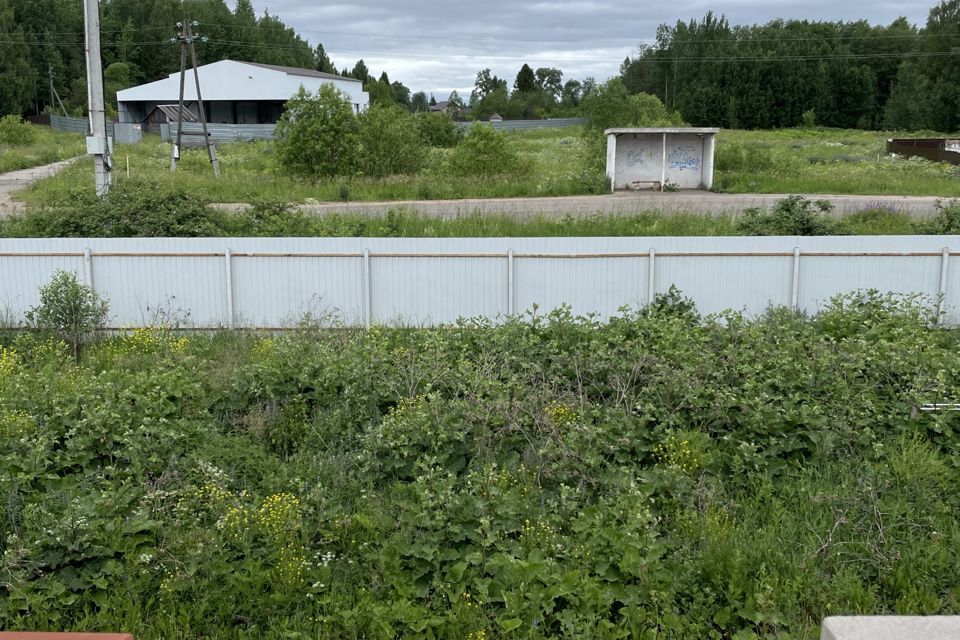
(276, 282)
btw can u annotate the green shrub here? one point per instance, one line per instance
(792, 216)
(438, 129)
(132, 209)
(484, 152)
(947, 220)
(390, 142)
(317, 135)
(15, 132)
(72, 311)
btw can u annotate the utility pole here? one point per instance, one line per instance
(187, 40)
(98, 145)
(55, 94)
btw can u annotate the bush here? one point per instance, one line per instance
(947, 220)
(317, 135)
(73, 311)
(390, 142)
(486, 152)
(792, 216)
(438, 129)
(133, 209)
(15, 132)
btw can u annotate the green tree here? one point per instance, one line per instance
(455, 104)
(526, 81)
(17, 78)
(390, 142)
(550, 82)
(418, 102)
(71, 310)
(321, 61)
(317, 135)
(485, 84)
(360, 71)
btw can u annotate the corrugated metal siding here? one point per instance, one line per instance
(278, 281)
(227, 132)
(75, 125)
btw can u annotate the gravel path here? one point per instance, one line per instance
(16, 180)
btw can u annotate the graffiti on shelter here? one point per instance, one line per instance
(638, 157)
(684, 158)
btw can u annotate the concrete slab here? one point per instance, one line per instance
(891, 628)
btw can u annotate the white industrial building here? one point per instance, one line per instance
(233, 93)
(654, 158)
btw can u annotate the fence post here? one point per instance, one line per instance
(944, 282)
(795, 291)
(510, 283)
(366, 287)
(228, 257)
(652, 277)
(88, 268)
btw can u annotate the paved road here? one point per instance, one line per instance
(625, 203)
(16, 180)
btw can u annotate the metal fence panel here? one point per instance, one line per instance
(75, 125)
(274, 282)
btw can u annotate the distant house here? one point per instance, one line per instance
(233, 93)
(440, 106)
(496, 118)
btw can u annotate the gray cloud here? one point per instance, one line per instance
(439, 46)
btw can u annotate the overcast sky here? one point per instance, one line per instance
(439, 45)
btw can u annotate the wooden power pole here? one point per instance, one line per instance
(187, 40)
(98, 144)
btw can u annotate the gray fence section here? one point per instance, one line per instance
(276, 282)
(226, 132)
(75, 125)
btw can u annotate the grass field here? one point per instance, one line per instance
(810, 161)
(49, 146)
(659, 476)
(826, 161)
(250, 173)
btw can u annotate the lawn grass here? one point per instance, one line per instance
(807, 161)
(49, 146)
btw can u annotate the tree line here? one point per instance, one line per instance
(788, 72)
(40, 39)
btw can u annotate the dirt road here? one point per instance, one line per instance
(16, 180)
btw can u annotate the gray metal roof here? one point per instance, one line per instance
(695, 130)
(295, 71)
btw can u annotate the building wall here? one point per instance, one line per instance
(231, 81)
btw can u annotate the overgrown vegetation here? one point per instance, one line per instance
(561, 162)
(146, 209)
(660, 475)
(24, 145)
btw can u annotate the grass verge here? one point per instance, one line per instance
(48, 146)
